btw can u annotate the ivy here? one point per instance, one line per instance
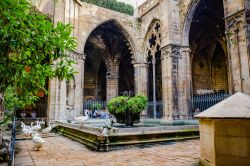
(113, 5)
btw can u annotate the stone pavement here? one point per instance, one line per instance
(61, 151)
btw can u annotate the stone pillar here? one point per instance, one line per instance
(239, 63)
(79, 85)
(62, 114)
(184, 83)
(176, 81)
(170, 58)
(111, 86)
(141, 78)
(57, 100)
(52, 99)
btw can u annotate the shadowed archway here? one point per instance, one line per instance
(208, 47)
(108, 65)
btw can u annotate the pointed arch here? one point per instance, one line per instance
(188, 21)
(149, 28)
(121, 28)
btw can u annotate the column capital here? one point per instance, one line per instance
(171, 50)
(77, 56)
(235, 21)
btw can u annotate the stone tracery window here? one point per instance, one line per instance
(153, 43)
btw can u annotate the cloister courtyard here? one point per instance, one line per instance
(125, 83)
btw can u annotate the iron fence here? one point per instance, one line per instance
(203, 102)
(12, 144)
(94, 105)
(41, 109)
(159, 109)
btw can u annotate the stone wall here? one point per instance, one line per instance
(175, 18)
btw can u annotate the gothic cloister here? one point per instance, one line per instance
(168, 51)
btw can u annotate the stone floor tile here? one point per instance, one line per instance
(61, 151)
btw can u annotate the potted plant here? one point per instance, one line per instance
(127, 110)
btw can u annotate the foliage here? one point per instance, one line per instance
(95, 106)
(137, 104)
(113, 5)
(32, 49)
(118, 105)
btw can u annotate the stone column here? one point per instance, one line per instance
(170, 57)
(111, 86)
(141, 80)
(52, 99)
(184, 83)
(79, 84)
(56, 99)
(239, 63)
(61, 110)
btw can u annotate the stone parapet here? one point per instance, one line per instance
(147, 6)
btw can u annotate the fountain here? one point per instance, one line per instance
(100, 135)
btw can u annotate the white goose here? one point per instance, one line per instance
(82, 119)
(26, 129)
(42, 122)
(37, 141)
(47, 130)
(37, 127)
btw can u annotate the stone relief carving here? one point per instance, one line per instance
(235, 21)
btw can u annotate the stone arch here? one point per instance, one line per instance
(121, 28)
(204, 33)
(149, 26)
(188, 21)
(111, 54)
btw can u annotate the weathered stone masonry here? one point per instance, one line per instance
(177, 19)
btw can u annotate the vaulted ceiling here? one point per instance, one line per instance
(106, 43)
(208, 26)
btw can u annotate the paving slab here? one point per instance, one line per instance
(60, 151)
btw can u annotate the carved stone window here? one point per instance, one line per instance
(153, 43)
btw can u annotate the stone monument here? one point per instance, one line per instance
(225, 132)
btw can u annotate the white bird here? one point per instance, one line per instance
(37, 141)
(82, 119)
(26, 129)
(37, 127)
(42, 122)
(48, 129)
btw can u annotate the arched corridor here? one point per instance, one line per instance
(208, 47)
(108, 65)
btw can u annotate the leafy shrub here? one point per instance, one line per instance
(137, 104)
(118, 105)
(113, 5)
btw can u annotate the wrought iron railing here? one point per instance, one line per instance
(12, 144)
(159, 109)
(41, 109)
(94, 104)
(203, 102)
